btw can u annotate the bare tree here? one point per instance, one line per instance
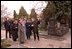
(4, 11)
(39, 5)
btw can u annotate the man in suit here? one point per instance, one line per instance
(7, 27)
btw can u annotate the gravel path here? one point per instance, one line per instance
(50, 42)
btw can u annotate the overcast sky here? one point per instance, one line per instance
(28, 5)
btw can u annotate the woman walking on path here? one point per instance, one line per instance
(21, 36)
(24, 22)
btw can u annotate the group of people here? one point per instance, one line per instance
(21, 28)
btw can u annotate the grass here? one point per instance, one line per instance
(5, 43)
(41, 29)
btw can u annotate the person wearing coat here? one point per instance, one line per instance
(35, 23)
(14, 30)
(11, 23)
(21, 36)
(24, 22)
(28, 29)
(7, 27)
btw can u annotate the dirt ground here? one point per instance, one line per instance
(45, 42)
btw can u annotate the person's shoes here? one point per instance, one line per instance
(15, 40)
(9, 37)
(29, 38)
(21, 42)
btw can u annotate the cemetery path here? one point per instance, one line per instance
(49, 42)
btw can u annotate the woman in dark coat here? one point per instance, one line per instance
(28, 28)
(15, 30)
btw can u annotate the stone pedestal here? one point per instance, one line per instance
(53, 29)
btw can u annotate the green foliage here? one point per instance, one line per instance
(22, 12)
(4, 43)
(33, 13)
(57, 9)
(15, 14)
(48, 12)
(62, 8)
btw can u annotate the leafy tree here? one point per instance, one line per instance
(22, 12)
(63, 9)
(33, 13)
(48, 12)
(15, 14)
(57, 10)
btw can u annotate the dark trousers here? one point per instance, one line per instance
(28, 37)
(14, 35)
(28, 33)
(36, 34)
(8, 31)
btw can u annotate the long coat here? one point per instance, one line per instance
(21, 36)
(7, 25)
(14, 31)
(28, 28)
(35, 26)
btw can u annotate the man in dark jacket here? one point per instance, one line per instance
(35, 23)
(7, 27)
(11, 24)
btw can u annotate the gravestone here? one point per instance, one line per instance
(62, 30)
(53, 29)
